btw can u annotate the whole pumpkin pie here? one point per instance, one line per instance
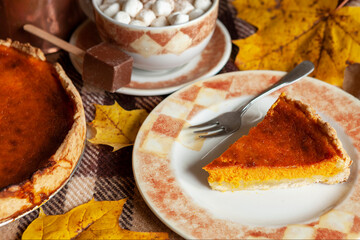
(42, 128)
(292, 146)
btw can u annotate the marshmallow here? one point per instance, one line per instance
(155, 13)
(123, 17)
(112, 9)
(146, 15)
(102, 7)
(183, 6)
(148, 3)
(137, 23)
(202, 4)
(172, 3)
(160, 22)
(162, 8)
(132, 7)
(178, 18)
(195, 13)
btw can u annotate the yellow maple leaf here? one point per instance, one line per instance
(292, 31)
(92, 220)
(116, 126)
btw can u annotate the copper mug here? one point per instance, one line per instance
(58, 17)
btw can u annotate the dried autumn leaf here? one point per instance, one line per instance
(92, 220)
(115, 126)
(292, 31)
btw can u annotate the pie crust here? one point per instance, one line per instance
(20, 198)
(291, 147)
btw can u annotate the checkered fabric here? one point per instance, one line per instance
(106, 175)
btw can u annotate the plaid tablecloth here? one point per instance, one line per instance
(106, 175)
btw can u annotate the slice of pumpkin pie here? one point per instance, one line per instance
(291, 147)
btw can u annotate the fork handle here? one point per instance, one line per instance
(300, 71)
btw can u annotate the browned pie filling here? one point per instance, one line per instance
(35, 115)
(290, 137)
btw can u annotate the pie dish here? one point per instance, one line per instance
(291, 147)
(42, 128)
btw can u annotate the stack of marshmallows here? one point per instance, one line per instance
(154, 13)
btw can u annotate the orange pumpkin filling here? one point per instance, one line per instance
(36, 114)
(290, 144)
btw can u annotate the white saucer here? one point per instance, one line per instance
(148, 83)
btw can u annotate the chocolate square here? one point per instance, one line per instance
(107, 67)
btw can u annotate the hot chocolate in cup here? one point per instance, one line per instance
(158, 47)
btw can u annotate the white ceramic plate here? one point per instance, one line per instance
(168, 160)
(148, 83)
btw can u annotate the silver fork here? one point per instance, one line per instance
(229, 122)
